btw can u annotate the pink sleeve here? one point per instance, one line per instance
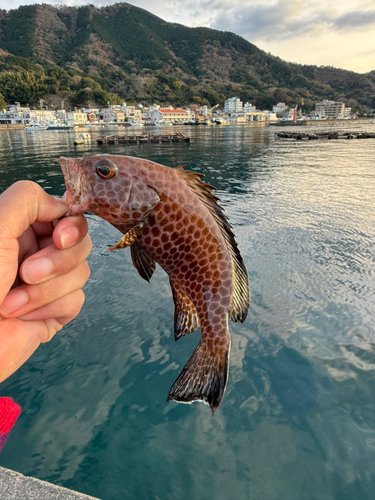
(9, 412)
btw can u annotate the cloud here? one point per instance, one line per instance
(287, 19)
(352, 20)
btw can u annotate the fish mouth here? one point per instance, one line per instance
(76, 182)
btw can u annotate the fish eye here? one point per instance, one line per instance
(105, 169)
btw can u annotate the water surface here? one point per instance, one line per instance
(298, 418)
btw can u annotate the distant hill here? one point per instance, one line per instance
(90, 55)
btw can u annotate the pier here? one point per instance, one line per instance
(326, 135)
(143, 138)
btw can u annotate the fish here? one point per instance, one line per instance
(170, 216)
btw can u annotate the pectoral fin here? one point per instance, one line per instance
(142, 261)
(129, 238)
(185, 315)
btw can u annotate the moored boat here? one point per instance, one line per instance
(35, 127)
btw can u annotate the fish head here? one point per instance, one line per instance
(110, 186)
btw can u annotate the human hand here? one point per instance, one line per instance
(42, 270)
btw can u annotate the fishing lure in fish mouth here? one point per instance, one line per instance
(170, 216)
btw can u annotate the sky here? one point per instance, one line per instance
(339, 33)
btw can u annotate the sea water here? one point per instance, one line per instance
(298, 417)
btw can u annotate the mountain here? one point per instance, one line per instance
(86, 54)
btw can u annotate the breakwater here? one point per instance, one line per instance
(12, 126)
(143, 138)
(326, 135)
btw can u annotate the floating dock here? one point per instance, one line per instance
(333, 134)
(143, 138)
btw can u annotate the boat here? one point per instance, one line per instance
(35, 127)
(93, 125)
(136, 124)
(82, 138)
(59, 127)
(222, 121)
(163, 123)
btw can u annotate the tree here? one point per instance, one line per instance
(2, 102)
(26, 87)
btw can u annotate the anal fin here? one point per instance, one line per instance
(186, 318)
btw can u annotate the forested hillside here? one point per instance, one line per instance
(87, 55)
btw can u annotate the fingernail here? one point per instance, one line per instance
(13, 301)
(37, 270)
(69, 236)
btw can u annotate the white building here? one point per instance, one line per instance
(39, 116)
(18, 115)
(233, 105)
(14, 115)
(280, 109)
(76, 117)
(132, 113)
(113, 113)
(330, 109)
(270, 116)
(170, 115)
(248, 108)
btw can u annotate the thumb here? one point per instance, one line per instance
(21, 205)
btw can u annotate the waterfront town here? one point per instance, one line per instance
(235, 111)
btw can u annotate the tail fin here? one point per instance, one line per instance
(204, 377)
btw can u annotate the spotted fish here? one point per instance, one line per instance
(170, 216)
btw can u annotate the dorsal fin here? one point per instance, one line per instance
(241, 291)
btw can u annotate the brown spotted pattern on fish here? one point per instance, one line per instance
(171, 217)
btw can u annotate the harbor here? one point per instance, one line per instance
(93, 399)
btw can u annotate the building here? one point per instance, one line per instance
(233, 105)
(14, 115)
(21, 115)
(329, 109)
(76, 117)
(248, 108)
(39, 115)
(92, 113)
(113, 113)
(170, 115)
(132, 113)
(281, 109)
(271, 116)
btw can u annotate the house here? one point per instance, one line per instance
(39, 115)
(14, 115)
(92, 113)
(281, 109)
(248, 108)
(132, 113)
(113, 113)
(170, 115)
(76, 117)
